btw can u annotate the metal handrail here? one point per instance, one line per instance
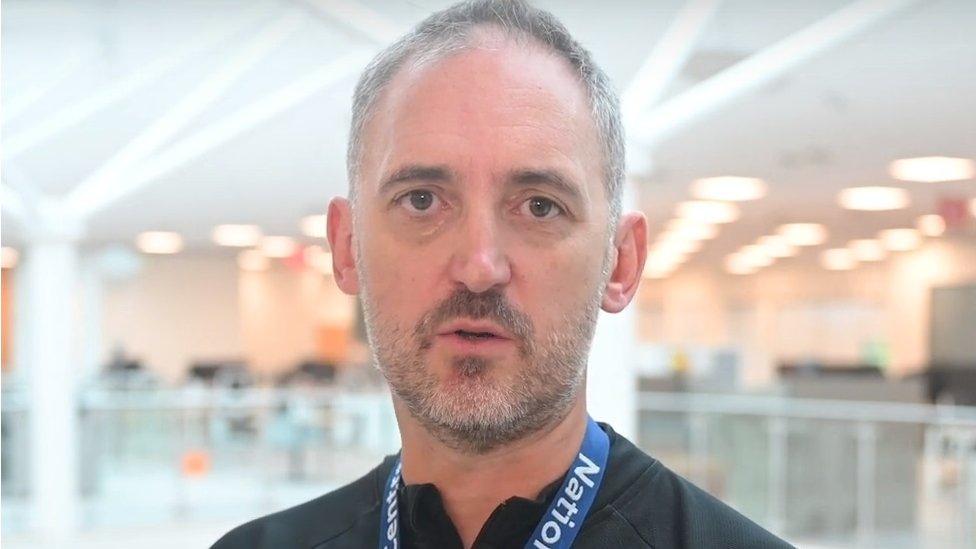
(808, 408)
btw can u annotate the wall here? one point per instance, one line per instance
(796, 310)
(179, 309)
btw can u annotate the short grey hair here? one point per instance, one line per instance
(452, 30)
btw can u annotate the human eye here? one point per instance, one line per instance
(418, 202)
(540, 207)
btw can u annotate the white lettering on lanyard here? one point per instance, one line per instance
(552, 530)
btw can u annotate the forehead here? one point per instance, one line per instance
(494, 104)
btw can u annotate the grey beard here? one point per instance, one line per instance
(477, 412)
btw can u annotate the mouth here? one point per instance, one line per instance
(475, 336)
(471, 336)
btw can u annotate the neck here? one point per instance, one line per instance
(473, 485)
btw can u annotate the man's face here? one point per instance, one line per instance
(482, 232)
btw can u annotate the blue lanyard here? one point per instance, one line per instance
(565, 515)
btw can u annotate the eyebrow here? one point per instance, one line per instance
(522, 177)
(551, 178)
(417, 172)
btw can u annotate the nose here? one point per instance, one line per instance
(479, 261)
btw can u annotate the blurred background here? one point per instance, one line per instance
(177, 358)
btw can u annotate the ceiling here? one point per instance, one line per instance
(268, 147)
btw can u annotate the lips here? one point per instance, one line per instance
(474, 330)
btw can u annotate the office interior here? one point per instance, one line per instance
(177, 359)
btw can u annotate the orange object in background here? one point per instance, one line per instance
(195, 463)
(332, 343)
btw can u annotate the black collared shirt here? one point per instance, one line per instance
(641, 503)
(424, 521)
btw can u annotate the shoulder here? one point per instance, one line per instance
(669, 511)
(313, 522)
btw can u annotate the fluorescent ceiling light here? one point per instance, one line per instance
(238, 236)
(873, 199)
(8, 257)
(278, 246)
(867, 249)
(931, 225)
(159, 242)
(838, 259)
(932, 169)
(777, 246)
(314, 226)
(900, 240)
(803, 234)
(252, 260)
(728, 188)
(708, 211)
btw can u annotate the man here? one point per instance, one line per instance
(484, 233)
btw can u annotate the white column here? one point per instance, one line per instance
(50, 274)
(612, 372)
(91, 353)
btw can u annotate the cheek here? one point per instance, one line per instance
(555, 285)
(399, 282)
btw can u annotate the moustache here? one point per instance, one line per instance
(489, 305)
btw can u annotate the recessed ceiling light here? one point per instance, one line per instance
(657, 273)
(314, 226)
(708, 211)
(803, 234)
(252, 260)
(660, 265)
(739, 265)
(728, 188)
(159, 242)
(777, 246)
(317, 258)
(278, 246)
(678, 247)
(838, 259)
(689, 230)
(932, 169)
(660, 258)
(238, 236)
(873, 198)
(8, 257)
(900, 240)
(867, 249)
(931, 225)
(756, 256)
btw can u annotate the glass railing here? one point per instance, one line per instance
(825, 472)
(821, 473)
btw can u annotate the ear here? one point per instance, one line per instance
(339, 230)
(629, 254)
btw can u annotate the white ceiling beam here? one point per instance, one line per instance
(14, 205)
(666, 58)
(248, 117)
(44, 129)
(105, 185)
(358, 18)
(17, 105)
(19, 196)
(762, 67)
